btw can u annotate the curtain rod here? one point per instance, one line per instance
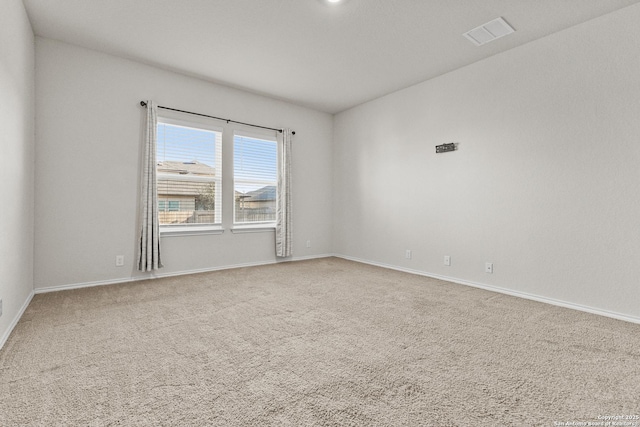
(144, 104)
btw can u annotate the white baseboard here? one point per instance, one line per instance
(546, 300)
(156, 275)
(305, 258)
(88, 284)
(525, 295)
(15, 320)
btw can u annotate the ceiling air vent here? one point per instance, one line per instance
(489, 32)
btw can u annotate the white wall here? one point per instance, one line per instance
(545, 184)
(16, 162)
(88, 138)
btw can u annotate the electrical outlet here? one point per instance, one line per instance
(447, 260)
(407, 254)
(488, 267)
(308, 243)
(119, 260)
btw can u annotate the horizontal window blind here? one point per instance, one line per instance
(189, 171)
(255, 179)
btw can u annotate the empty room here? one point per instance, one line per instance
(320, 213)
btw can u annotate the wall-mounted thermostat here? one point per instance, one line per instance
(446, 147)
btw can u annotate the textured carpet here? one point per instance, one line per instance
(322, 342)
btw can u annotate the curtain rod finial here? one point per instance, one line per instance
(142, 103)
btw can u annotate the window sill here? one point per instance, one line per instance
(169, 231)
(253, 228)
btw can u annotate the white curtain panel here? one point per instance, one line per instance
(283, 209)
(149, 254)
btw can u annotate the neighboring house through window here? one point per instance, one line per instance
(168, 206)
(255, 179)
(189, 171)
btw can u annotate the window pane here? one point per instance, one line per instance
(255, 178)
(189, 171)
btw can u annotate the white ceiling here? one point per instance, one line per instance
(329, 57)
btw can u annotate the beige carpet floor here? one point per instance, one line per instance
(313, 343)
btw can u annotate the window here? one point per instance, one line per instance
(189, 170)
(255, 179)
(168, 206)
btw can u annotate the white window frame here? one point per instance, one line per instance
(191, 229)
(244, 227)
